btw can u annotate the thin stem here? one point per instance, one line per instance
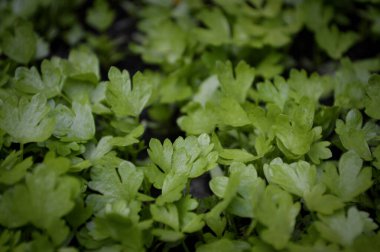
(250, 228)
(22, 151)
(186, 249)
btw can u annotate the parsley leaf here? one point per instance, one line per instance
(236, 84)
(296, 178)
(45, 197)
(372, 102)
(124, 100)
(353, 136)
(277, 213)
(76, 124)
(26, 120)
(343, 229)
(218, 29)
(30, 81)
(351, 181)
(177, 162)
(20, 45)
(338, 42)
(12, 169)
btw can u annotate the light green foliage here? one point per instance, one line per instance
(20, 44)
(174, 163)
(124, 100)
(100, 16)
(277, 213)
(372, 103)
(343, 228)
(297, 178)
(223, 245)
(247, 193)
(12, 169)
(319, 151)
(294, 131)
(189, 125)
(76, 124)
(84, 65)
(107, 143)
(235, 84)
(231, 113)
(26, 120)
(45, 197)
(313, 87)
(179, 217)
(163, 40)
(338, 42)
(276, 93)
(354, 136)
(317, 200)
(351, 180)
(200, 121)
(48, 83)
(121, 183)
(121, 222)
(217, 31)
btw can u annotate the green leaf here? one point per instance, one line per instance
(262, 119)
(213, 218)
(198, 122)
(120, 222)
(167, 235)
(121, 183)
(124, 100)
(76, 124)
(227, 156)
(224, 245)
(167, 214)
(277, 93)
(343, 229)
(322, 203)
(84, 65)
(190, 222)
(372, 101)
(277, 213)
(235, 84)
(20, 45)
(231, 113)
(293, 139)
(316, 14)
(351, 181)
(100, 16)
(49, 83)
(297, 178)
(107, 143)
(337, 43)
(217, 31)
(26, 120)
(12, 169)
(45, 197)
(250, 189)
(353, 136)
(318, 151)
(164, 41)
(177, 162)
(313, 87)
